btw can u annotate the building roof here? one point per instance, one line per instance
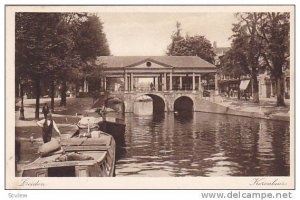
(173, 61)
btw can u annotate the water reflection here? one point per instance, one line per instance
(203, 144)
(143, 105)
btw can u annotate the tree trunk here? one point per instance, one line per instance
(280, 91)
(52, 95)
(76, 88)
(100, 84)
(37, 98)
(239, 91)
(255, 91)
(22, 116)
(18, 89)
(63, 101)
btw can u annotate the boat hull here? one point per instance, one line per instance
(101, 156)
(117, 130)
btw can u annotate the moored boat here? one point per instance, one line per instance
(92, 156)
(111, 125)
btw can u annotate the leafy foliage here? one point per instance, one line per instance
(275, 32)
(91, 40)
(260, 42)
(190, 46)
(52, 45)
(248, 46)
(235, 62)
(176, 36)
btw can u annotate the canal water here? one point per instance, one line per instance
(190, 144)
(203, 144)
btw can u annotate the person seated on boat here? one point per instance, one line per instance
(102, 111)
(84, 122)
(47, 125)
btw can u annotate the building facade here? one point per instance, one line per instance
(156, 73)
(229, 85)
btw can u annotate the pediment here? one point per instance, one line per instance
(149, 64)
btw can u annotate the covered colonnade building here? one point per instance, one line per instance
(157, 73)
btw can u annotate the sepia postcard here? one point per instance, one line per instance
(149, 97)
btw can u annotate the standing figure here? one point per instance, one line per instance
(151, 86)
(45, 110)
(231, 92)
(47, 126)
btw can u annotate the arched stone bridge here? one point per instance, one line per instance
(162, 101)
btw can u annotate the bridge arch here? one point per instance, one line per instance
(184, 103)
(158, 102)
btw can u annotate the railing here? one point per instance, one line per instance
(154, 91)
(185, 87)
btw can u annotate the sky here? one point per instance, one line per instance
(148, 34)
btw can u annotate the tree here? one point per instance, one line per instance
(33, 36)
(90, 43)
(65, 56)
(44, 46)
(190, 46)
(267, 46)
(247, 29)
(20, 63)
(91, 40)
(176, 36)
(234, 62)
(275, 31)
(194, 46)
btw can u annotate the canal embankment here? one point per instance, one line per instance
(266, 109)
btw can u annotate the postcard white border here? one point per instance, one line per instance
(13, 182)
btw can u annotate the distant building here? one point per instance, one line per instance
(230, 84)
(166, 73)
(267, 85)
(219, 51)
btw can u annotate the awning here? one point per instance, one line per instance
(244, 84)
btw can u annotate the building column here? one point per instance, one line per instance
(180, 82)
(131, 82)
(193, 81)
(84, 85)
(271, 88)
(171, 82)
(199, 87)
(165, 82)
(156, 83)
(125, 82)
(104, 83)
(128, 83)
(216, 82)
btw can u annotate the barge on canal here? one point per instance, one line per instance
(92, 156)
